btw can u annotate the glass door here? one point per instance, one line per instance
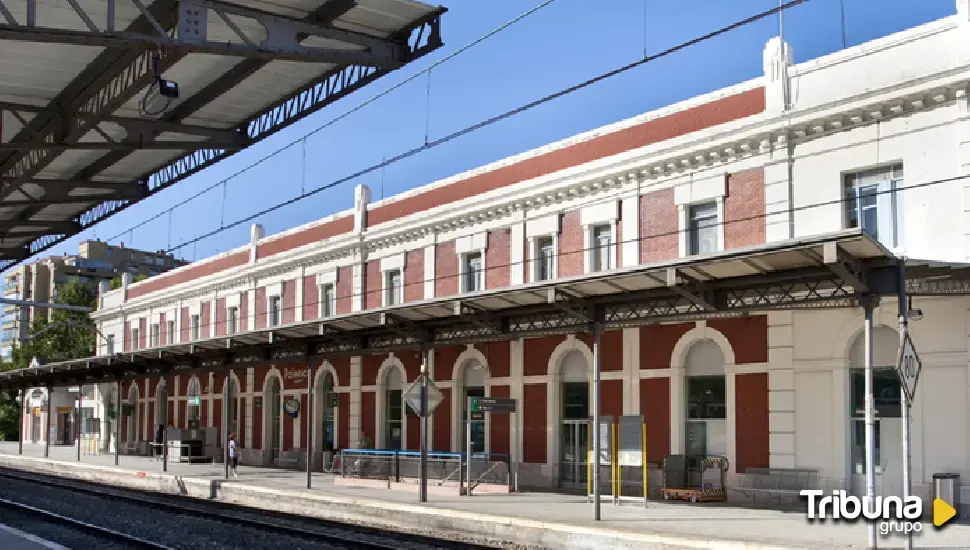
(575, 453)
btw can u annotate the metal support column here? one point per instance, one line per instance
(423, 474)
(117, 422)
(870, 420)
(21, 432)
(225, 425)
(904, 394)
(596, 423)
(47, 423)
(309, 426)
(77, 422)
(165, 429)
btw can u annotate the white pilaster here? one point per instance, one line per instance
(357, 297)
(778, 196)
(213, 305)
(631, 368)
(174, 421)
(251, 307)
(630, 207)
(355, 401)
(776, 59)
(210, 397)
(678, 390)
(429, 259)
(781, 390)
(516, 376)
(249, 389)
(299, 293)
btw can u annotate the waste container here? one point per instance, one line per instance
(946, 487)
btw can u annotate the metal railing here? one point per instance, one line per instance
(405, 466)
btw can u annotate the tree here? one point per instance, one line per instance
(67, 335)
(116, 283)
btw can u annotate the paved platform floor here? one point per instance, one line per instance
(720, 521)
(15, 539)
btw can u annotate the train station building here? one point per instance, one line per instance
(720, 251)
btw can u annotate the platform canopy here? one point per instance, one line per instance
(836, 270)
(85, 130)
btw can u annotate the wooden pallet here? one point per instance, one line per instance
(693, 495)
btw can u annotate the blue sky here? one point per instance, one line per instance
(560, 45)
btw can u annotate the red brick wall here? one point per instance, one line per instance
(289, 302)
(657, 344)
(751, 421)
(413, 421)
(286, 423)
(445, 270)
(611, 398)
(744, 209)
(572, 243)
(497, 355)
(243, 312)
(536, 354)
(126, 337)
(500, 424)
(342, 367)
(655, 408)
(369, 366)
(748, 337)
(311, 298)
(205, 319)
(345, 290)
(497, 258)
(190, 273)
(162, 328)
(186, 326)
(611, 349)
(368, 423)
(183, 415)
(534, 423)
(442, 422)
(659, 227)
(222, 317)
(414, 276)
(444, 362)
(260, 306)
(304, 415)
(373, 285)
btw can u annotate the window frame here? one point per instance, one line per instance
(467, 259)
(134, 338)
(154, 335)
(393, 295)
(232, 320)
(109, 344)
(596, 241)
(170, 331)
(327, 293)
(195, 326)
(539, 243)
(274, 319)
(700, 212)
(886, 185)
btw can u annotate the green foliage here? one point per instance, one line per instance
(67, 335)
(116, 283)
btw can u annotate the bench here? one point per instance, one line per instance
(778, 482)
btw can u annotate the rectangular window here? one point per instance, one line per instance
(393, 287)
(109, 344)
(706, 398)
(134, 339)
(232, 320)
(545, 259)
(602, 248)
(170, 327)
(328, 301)
(195, 327)
(873, 203)
(154, 334)
(702, 229)
(473, 272)
(275, 311)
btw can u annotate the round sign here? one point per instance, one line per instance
(291, 407)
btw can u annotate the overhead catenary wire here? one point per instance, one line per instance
(503, 116)
(351, 111)
(639, 239)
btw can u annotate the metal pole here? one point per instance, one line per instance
(596, 424)
(165, 430)
(309, 425)
(118, 422)
(47, 424)
(77, 422)
(423, 491)
(225, 426)
(904, 396)
(870, 422)
(21, 432)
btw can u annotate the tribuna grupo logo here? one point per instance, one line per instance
(894, 514)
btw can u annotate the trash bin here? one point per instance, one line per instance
(946, 487)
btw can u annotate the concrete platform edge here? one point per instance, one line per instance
(405, 518)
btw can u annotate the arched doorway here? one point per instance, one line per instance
(193, 404)
(110, 419)
(705, 432)
(161, 409)
(393, 408)
(472, 381)
(886, 393)
(131, 434)
(327, 413)
(575, 416)
(274, 408)
(234, 398)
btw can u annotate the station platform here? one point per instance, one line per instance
(544, 520)
(15, 539)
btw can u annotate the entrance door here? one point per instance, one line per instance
(66, 422)
(574, 457)
(35, 427)
(887, 433)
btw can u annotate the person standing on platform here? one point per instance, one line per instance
(233, 455)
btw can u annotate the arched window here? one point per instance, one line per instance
(706, 400)
(575, 415)
(194, 408)
(327, 410)
(394, 407)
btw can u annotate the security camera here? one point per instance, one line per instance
(160, 93)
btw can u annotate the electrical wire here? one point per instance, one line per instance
(488, 122)
(355, 109)
(639, 239)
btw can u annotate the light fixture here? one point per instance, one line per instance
(914, 314)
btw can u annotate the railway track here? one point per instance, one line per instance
(312, 532)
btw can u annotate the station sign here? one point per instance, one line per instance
(491, 405)
(412, 396)
(908, 367)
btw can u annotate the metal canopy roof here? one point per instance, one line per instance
(78, 142)
(826, 271)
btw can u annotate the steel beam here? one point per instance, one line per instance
(280, 42)
(52, 225)
(846, 266)
(163, 145)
